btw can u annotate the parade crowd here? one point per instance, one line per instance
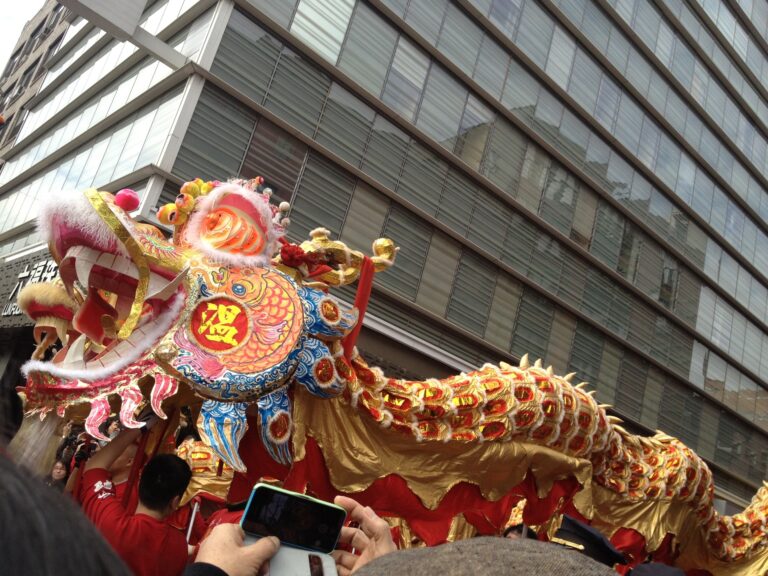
(96, 513)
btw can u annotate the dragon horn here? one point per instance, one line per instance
(165, 387)
(524, 364)
(131, 397)
(98, 414)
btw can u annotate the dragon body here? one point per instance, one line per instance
(233, 313)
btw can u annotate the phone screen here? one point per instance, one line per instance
(293, 519)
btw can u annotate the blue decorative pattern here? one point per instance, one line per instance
(235, 385)
(272, 406)
(312, 351)
(222, 425)
(316, 324)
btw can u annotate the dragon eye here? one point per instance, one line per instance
(168, 214)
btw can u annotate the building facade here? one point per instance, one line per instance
(583, 181)
(20, 81)
(23, 74)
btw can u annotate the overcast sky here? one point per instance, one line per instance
(16, 13)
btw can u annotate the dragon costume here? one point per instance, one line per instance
(233, 312)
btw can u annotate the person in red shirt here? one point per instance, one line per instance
(144, 540)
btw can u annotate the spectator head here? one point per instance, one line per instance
(53, 536)
(487, 556)
(59, 471)
(519, 531)
(113, 427)
(163, 482)
(122, 464)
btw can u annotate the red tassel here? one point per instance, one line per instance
(364, 285)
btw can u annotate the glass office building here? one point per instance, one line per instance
(585, 181)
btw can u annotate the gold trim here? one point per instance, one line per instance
(562, 542)
(111, 219)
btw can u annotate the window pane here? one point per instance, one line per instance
(313, 206)
(279, 10)
(277, 156)
(586, 353)
(385, 153)
(322, 25)
(218, 118)
(460, 39)
(560, 57)
(422, 179)
(535, 33)
(246, 57)
(473, 132)
(413, 236)
(345, 125)
(559, 199)
(297, 92)
(473, 288)
(504, 156)
(533, 325)
(521, 91)
(505, 14)
(442, 107)
(606, 241)
(426, 16)
(368, 49)
(491, 69)
(406, 79)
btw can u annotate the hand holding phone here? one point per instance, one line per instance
(225, 548)
(308, 530)
(373, 537)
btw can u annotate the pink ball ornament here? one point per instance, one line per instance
(127, 199)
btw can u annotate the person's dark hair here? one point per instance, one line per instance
(185, 432)
(518, 529)
(104, 426)
(163, 478)
(51, 535)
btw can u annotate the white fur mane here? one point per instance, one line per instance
(73, 209)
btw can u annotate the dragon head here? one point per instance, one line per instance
(214, 308)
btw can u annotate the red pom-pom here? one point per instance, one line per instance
(292, 255)
(127, 199)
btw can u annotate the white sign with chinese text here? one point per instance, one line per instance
(42, 271)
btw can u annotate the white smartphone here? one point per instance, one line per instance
(308, 530)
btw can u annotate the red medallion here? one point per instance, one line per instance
(220, 324)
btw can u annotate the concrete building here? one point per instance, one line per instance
(23, 74)
(21, 79)
(586, 182)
